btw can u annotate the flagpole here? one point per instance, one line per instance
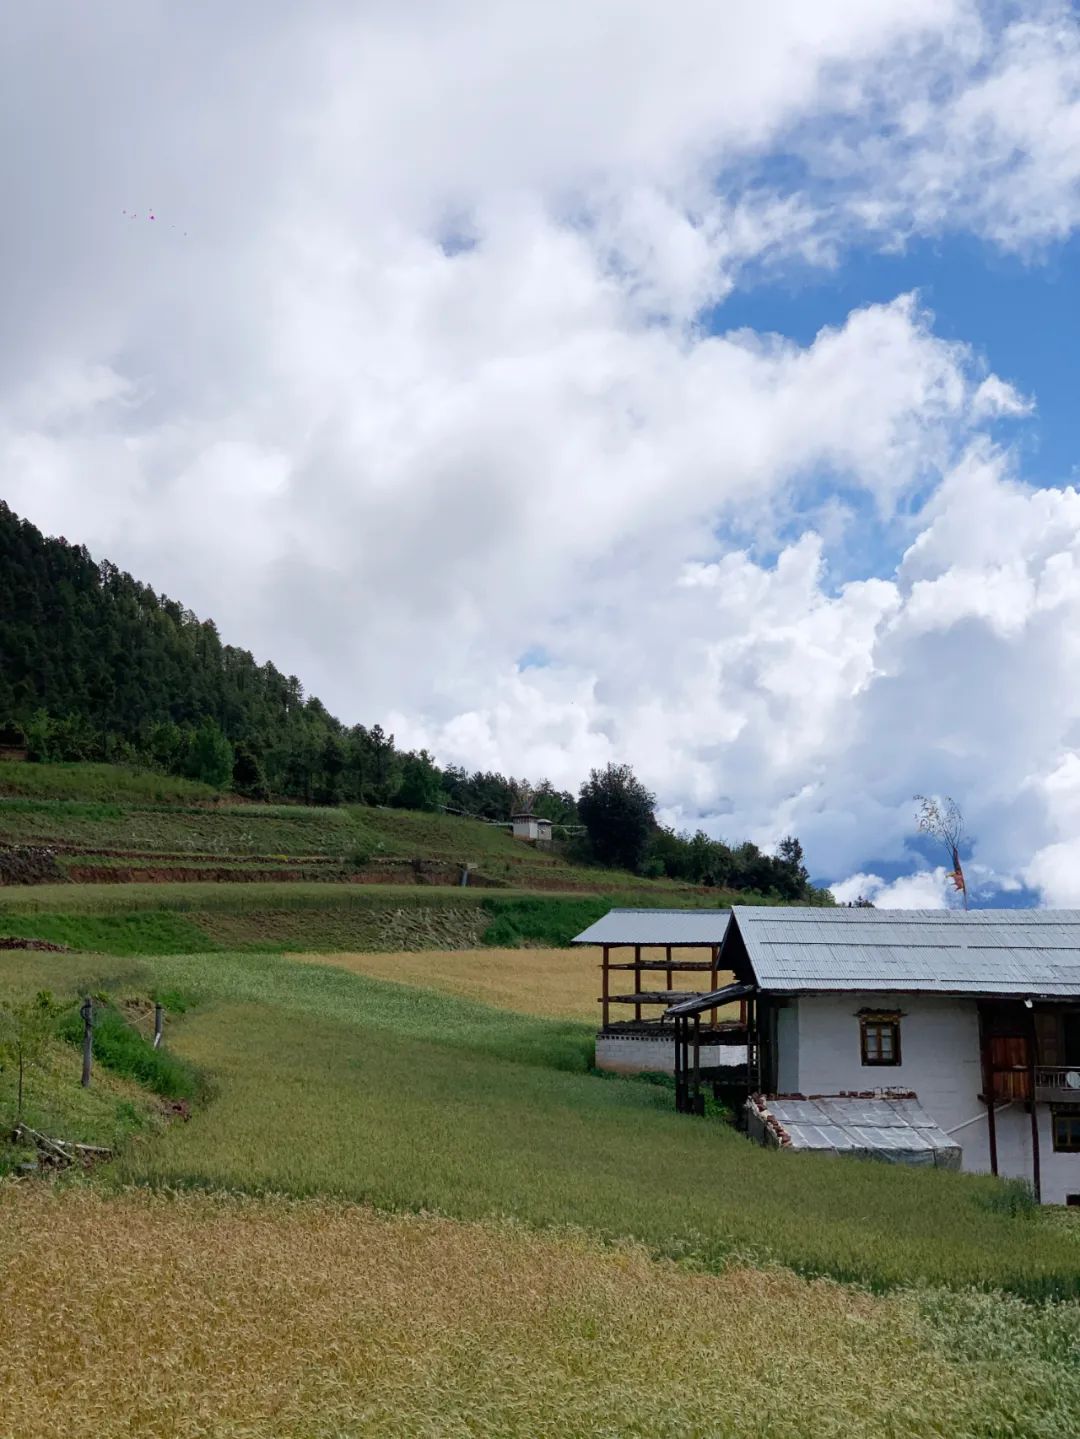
(957, 876)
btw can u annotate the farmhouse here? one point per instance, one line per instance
(976, 1015)
(527, 825)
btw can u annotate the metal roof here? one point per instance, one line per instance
(895, 1128)
(699, 1003)
(657, 926)
(1033, 952)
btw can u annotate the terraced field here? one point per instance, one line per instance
(196, 918)
(401, 1211)
(123, 826)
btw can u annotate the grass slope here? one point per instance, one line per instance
(99, 782)
(334, 1083)
(110, 1113)
(196, 918)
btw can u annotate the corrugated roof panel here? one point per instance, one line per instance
(985, 951)
(885, 1127)
(657, 927)
(796, 1111)
(815, 1136)
(1006, 952)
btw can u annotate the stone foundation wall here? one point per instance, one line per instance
(639, 1054)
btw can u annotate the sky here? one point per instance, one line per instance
(691, 386)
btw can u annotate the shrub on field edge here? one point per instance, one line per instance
(123, 1050)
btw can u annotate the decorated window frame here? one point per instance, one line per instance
(879, 1038)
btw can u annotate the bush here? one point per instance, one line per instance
(540, 921)
(174, 1001)
(210, 756)
(125, 1051)
(13, 735)
(248, 778)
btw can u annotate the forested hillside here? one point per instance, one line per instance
(96, 666)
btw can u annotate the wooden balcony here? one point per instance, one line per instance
(1057, 1083)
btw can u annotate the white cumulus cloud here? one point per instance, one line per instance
(421, 367)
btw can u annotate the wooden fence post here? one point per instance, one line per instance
(87, 1012)
(159, 1025)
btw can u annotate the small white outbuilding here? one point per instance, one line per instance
(531, 826)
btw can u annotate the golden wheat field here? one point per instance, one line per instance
(191, 1315)
(554, 983)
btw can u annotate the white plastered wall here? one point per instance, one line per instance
(939, 1048)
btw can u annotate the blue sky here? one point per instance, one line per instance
(1019, 312)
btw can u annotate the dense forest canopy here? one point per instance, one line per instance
(96, 666)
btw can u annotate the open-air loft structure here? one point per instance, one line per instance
(644, 952)
(907, 1034)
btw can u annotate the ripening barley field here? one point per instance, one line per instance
(410, 1208)
(187, 1315)
(555, 983)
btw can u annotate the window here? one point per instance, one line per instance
(1066, 1129)
(880, 1038)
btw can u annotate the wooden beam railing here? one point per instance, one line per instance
(1057, 1081)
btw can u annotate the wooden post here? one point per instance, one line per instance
(682, 1065)
(637, 980)
(670, 969)
(991, 1124)
(714, 975)
(159, 1025)
(87, 1012)
(697, 1061)
(988, 1091)
(1036, 1175)
(678, 1065)
(604, 1000)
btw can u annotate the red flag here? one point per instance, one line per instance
(957, 875)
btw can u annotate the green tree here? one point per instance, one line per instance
(210, 758)
(39, 729)
(248, 778)
(25, 1031)
(617, 812)
(12, 734)
(793, 878)
(556, 805)
(332, 761)
(421, 783)
(165, 745)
